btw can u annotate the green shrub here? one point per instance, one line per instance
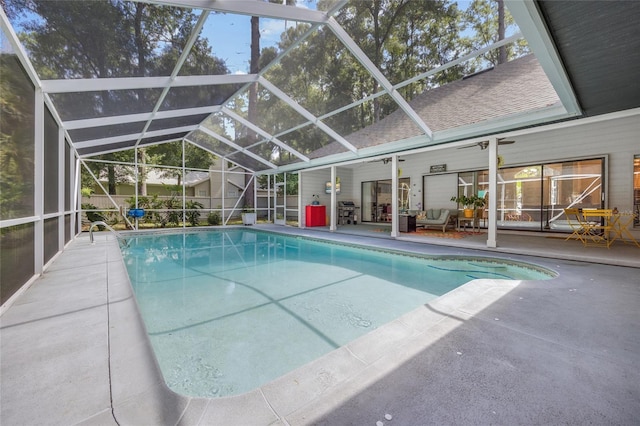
(214, 219)
(192, 212)
(93, 216)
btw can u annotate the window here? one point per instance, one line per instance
(534, 196)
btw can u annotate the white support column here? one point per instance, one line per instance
(223, 190)
(184, 190)
(61, 189)
(333, 210)
(300, 206)
(136, 174)
(493, 193)
(284, 190)
(74, 178)
(77, 195)
(269, 197)
(38, 183)
(255, 195)
(394, 196)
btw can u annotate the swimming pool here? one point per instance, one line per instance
(229, 310)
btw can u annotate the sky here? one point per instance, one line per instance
(234, 47)
(230, 36)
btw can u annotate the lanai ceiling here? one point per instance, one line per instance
(581, 47)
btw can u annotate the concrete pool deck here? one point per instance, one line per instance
(74, 351)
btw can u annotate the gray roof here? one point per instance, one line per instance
(514, 87)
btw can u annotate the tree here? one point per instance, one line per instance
(252, 106)
(16, 139)
(170, 154)
(490, 23)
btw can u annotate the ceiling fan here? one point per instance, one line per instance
(387, 160)
(485, 144)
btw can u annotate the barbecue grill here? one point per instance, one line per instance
(347, 212)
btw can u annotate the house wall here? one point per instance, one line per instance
(616, 139)
(130, 190)
(195, 190)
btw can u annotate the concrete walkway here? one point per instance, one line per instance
(563, 351)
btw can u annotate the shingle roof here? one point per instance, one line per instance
(511, 88)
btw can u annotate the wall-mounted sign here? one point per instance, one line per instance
(438, 168)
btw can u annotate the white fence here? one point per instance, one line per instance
(104, 203)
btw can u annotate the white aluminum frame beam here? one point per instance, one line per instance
(250, 8)
(235, 146)
(133, 137)
(108, 149)
(17, 48)
(355, 50)
(404, 83)
(306, 114)
(176, 69)
(460, 60)
(133, 118)
(264, 134)
(81, 85)
(532, 25)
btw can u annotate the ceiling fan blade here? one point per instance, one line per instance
(485, 144)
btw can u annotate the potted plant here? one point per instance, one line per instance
(469, 203)
(248, 215)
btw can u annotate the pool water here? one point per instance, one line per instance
(228, 311)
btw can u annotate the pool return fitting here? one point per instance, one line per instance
(101, 223)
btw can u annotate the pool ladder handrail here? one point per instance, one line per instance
(102, 223)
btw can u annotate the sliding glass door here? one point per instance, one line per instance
(377, 199)
(534, 197)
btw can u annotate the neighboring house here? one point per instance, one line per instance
(204, 187)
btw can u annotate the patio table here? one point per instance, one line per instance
(597, 227)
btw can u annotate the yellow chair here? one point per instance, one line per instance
(597, 226)
(574, 219)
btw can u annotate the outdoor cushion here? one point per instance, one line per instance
(434, 217)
